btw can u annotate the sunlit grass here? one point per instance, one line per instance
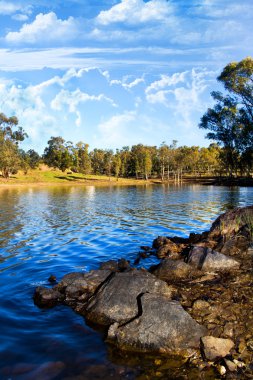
(45, 175)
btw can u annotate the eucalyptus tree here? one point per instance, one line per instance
(58, 153)
(11, 134)
(230, 121)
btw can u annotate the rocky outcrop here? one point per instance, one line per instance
(197, 300)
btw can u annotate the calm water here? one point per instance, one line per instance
(58, 230)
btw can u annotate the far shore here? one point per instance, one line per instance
(45, 177)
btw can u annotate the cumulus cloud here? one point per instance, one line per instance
(73, 99)
(45, 26)
(135, 12)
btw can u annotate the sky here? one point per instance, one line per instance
(115, 73)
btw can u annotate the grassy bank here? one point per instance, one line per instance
(46, 176)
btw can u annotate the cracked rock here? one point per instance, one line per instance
(164, 326)
(117, 300)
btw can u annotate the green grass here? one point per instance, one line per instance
(45, 175)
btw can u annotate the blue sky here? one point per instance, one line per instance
(113, 73)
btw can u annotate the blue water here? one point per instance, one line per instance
(57, 230)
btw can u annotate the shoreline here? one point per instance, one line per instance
(109, 182)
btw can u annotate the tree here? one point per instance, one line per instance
(33, 158)
(83, 161)
(231, 119)
(10, 136)
(58, 154)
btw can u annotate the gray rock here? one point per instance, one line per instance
(163, 326)
(172, 269)
(203, 258)
(74, 287)
(214, 348)
(117, 300)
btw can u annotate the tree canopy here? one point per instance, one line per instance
(230, 121)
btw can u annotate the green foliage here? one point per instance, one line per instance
(10, 136)
(230, 121)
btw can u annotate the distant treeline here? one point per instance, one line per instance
(229, 122)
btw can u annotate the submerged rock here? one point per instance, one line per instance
(163, 326)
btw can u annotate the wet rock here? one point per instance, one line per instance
(163, 326)
(73, 287)
(117, 300)
(52, 279)
(173, 269)
(206, 259)
(115, 266)
(44, 297)
(111, 265)
(214, 348)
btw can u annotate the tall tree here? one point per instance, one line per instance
(58, 154)
(11, 134)
(231, 119)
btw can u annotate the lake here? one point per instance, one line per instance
(57, 230)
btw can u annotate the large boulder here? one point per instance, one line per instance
(163, 326)
(232, 221)
(203, 258)
(118, 299)
(170, 270)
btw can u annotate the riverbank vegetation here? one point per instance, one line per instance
(230, 126)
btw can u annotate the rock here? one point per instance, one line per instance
(173, 269)
(214, 348)
(163, 326)
(206, 259)
(231, 222)
(123, 265)
(160, 241)
(73, 287)
(44, 297)
(169, 249)
(115, 266)
(118, 299)
(51, 279)
(231, 366)
(110, 265)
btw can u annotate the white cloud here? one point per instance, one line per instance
(8, 8)
(167, 81)
(73, 99)
(45, 27)
(20, 17)
(116, 129)
(136, 11)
